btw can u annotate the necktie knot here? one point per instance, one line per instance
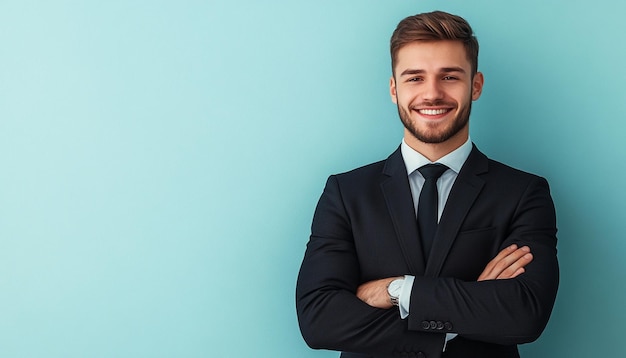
(432, 171)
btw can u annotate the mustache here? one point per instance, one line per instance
(438, 103)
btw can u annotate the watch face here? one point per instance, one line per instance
(394, 287)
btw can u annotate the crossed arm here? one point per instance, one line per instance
(511, 303)
(509, 263)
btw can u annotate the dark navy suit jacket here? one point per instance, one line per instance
(364, 228)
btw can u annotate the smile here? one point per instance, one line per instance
(433, 112)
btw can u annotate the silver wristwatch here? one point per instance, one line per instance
(393, 289)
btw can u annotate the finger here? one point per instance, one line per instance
(502, 262)
(511, 270)
(518, 272)
(516, 268)
(501, 255)
(488, 272)
(510, 260)
(504, 253)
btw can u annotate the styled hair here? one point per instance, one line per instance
(435, 26)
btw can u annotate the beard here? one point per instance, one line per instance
(432, 135)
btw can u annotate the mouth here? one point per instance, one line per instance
(433, 112)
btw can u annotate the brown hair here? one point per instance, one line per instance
(435, 26)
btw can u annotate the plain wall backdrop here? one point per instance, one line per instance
(160, 162)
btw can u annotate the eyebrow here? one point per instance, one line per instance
(410, 71)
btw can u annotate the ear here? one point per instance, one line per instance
(392, 90)
(477, 85)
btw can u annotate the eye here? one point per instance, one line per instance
(414, 79)
(450, 78)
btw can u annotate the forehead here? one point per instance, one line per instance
(430, 56)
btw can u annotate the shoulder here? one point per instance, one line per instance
(479, 164)
(356, 182)
(373, 173)
(510, 173)
(365, 171)
(505, 181)
(499, 180)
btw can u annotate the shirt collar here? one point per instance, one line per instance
(453, 160)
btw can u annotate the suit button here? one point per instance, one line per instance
(421, 355)
(439, 325)
(447, 326)
(433, 325)
(425, 325)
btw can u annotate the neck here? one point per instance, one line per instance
(435, 151)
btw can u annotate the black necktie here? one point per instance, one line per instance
(427, 205)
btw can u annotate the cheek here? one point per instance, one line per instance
(404, 98)
(462, 96)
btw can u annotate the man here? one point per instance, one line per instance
(437, 251)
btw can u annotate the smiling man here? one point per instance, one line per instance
(436, 251)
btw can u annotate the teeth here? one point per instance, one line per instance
(433, 112)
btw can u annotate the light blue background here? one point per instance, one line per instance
(160, 162)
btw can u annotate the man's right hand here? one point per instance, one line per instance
(509, 263)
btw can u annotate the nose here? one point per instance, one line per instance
(432, 91)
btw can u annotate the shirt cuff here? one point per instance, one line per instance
(404, 299)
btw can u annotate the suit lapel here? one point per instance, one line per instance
(464, 192)
(397, 193)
